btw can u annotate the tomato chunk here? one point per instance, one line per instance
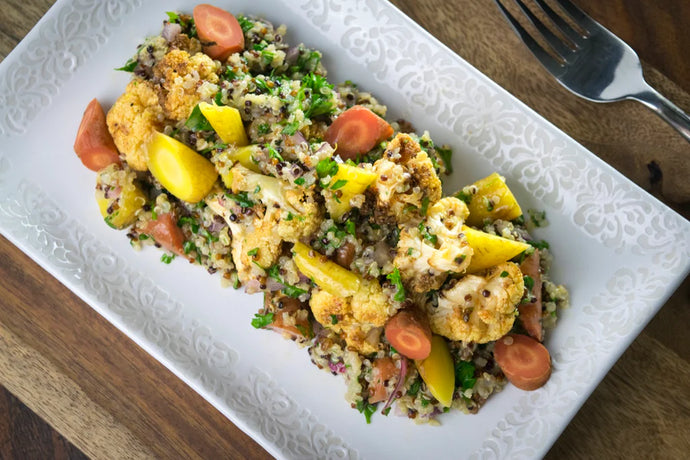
(530, 313)
(94, 145)
(219, 31)
(383, 370)
(524, 361)
(408, 331)
(356, 131)
(164, 231)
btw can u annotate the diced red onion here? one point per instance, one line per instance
(292, 55)
(273, 285)
(337, 368)
(171, 30)
(399, 385)
(297, 138)
(252, 286)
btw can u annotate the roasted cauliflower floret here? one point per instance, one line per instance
(407, 179)
(133, 120)
(279, 212)
(360, 318)
(426, 254)
(184, 81)
(479, 309)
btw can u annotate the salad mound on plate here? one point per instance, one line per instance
(231, 149)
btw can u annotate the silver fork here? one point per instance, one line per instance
(596, 65)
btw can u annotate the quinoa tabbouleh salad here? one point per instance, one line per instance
(231, 149)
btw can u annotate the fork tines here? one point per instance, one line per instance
(561, 48)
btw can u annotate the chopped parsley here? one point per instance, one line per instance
(130, 65)
(464, 375)
(197, 121)
(446, 155)
(338, 184)
(290, 128)
(414, 388)
(273, 153)
(504, 274)
(245, 23)
(529, 282)
(425, 206)
(464, 196)
(350, 227)
(318, 94)
(289, 290)
(241, 198)
(187, 23)
(264, 128)
(539, 244)
(260, 320)
(538, 218)
(189, 220)
(326, 167)
(424, 231)
(188, 247)
(300, 181)
(253, 252)
(109, 220)
(167, 258)
(334, 319)
(367, 409)
(395, 279)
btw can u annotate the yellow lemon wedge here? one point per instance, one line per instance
(490, 250)
(226, 122)
(350, 181)
(121, 211)
(493, 200)
(438, 371)
(182, 171)
(328, 275)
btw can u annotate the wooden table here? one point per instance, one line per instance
(110, 399)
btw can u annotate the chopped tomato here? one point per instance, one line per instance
(530, 313)
(164, 231)
(383, 370)
(94, 145)
(524, 361)
(356, 131)
(408, 331)
(219, 31)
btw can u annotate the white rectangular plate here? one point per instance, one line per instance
(619, 251)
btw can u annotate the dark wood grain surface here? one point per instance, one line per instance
(100, 391)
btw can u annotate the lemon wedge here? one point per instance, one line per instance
(226, 122)
(490, 250)
(182, 171)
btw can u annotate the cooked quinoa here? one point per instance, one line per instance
(397, 238)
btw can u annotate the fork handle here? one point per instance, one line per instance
(665, 109)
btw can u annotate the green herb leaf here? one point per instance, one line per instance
(350, 227)
(504, 274)
(188, 247)
(326, 167)
(260, 320)
(395, 278)
(300, 181)
(464, 375)
(241, 198)
(414, 388)
(167, 258)
(338, 184)
(130, 65)
(424, 231)
(446, 155)
(425, 205)
(539, 244)
(245, 23)
(529, 282)
(290, 128)
(197, 121)
(464, 196)
(334, 319)
(367, 409)
(264, 128)
(253, 252)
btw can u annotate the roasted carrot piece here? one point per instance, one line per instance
(408, 331)
(94, 145)
(530, 312)
(524, 361)
(164, 231)
(356, 131)
(219, 31)
(383, 370)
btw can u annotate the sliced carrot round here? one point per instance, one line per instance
(219, 31)
(164, 231)
(524, 361)
(356, 131)
(94, 145)
(408, 331)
